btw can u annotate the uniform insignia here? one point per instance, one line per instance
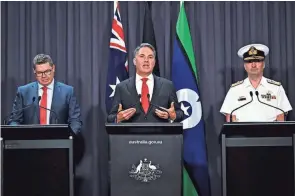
(252, 51)
(268, 96)
(237, 83)
(273, 82)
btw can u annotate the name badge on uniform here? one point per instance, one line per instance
(242, 98)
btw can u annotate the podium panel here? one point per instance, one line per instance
(258, 159)
(261, 170)
(145, 160)
(37, 160)
(46, 176)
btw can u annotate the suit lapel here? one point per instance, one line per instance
(35, 93)
(157, 87)
(131, 86)
(55, 98)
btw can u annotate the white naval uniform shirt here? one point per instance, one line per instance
(270, 92)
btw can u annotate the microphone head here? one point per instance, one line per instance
(148, 95)
(251, 93)
(139, 96)
(256, 92)
(39, 98)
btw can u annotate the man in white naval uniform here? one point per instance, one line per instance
(262, 90)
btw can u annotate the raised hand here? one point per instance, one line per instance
(125, 114)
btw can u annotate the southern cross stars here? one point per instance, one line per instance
(114, 86)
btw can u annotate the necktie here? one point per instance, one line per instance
(144, 95)
(43, 112)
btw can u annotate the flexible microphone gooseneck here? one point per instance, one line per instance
(56, 117)
(138, 101)
(158, 107)
(231, 116)
(257, 94)
(12, 114)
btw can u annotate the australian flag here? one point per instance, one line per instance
(118, 63)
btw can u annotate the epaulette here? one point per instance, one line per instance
(273, 82)
(237, 83)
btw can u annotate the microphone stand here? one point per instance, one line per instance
(158, 107)
(257, 94)
(231, 116)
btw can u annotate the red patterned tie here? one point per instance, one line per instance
(144, 95)
(43, 112)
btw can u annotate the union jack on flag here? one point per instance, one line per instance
(118, 63)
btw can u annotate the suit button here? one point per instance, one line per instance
(145, 118)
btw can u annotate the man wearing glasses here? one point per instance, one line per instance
(46, 101)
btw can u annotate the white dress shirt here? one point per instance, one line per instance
(270, 92)
(49, 97)
(150, 84)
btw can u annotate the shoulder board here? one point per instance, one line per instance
(237, 83)
(273, 82)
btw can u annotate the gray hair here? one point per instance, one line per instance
(142, 46)
(41, 59)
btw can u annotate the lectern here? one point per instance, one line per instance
(37, 160)
(258, 159)
(145, 159)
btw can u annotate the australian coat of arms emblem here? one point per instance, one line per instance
(145, 171)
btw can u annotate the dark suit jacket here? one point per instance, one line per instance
(163, 95)
(64, 104)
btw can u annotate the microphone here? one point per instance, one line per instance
(257, 94)
(231, 116)
(12, 114)
(56, 117)
(138, 101)
(156, 106)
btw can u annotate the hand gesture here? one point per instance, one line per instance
(164, 115)
(125, 114)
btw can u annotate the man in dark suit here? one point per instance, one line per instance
(61, 108)
(145, 97)
(46, 93)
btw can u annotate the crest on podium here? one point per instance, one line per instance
(145, 171)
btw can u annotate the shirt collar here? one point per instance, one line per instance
(150, 77)
(247, 82)
(263, 81)
(50, 86)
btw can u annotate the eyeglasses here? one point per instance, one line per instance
(46, 73)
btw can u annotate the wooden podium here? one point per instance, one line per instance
(37, 160)
(145, 159)
(258, 159)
